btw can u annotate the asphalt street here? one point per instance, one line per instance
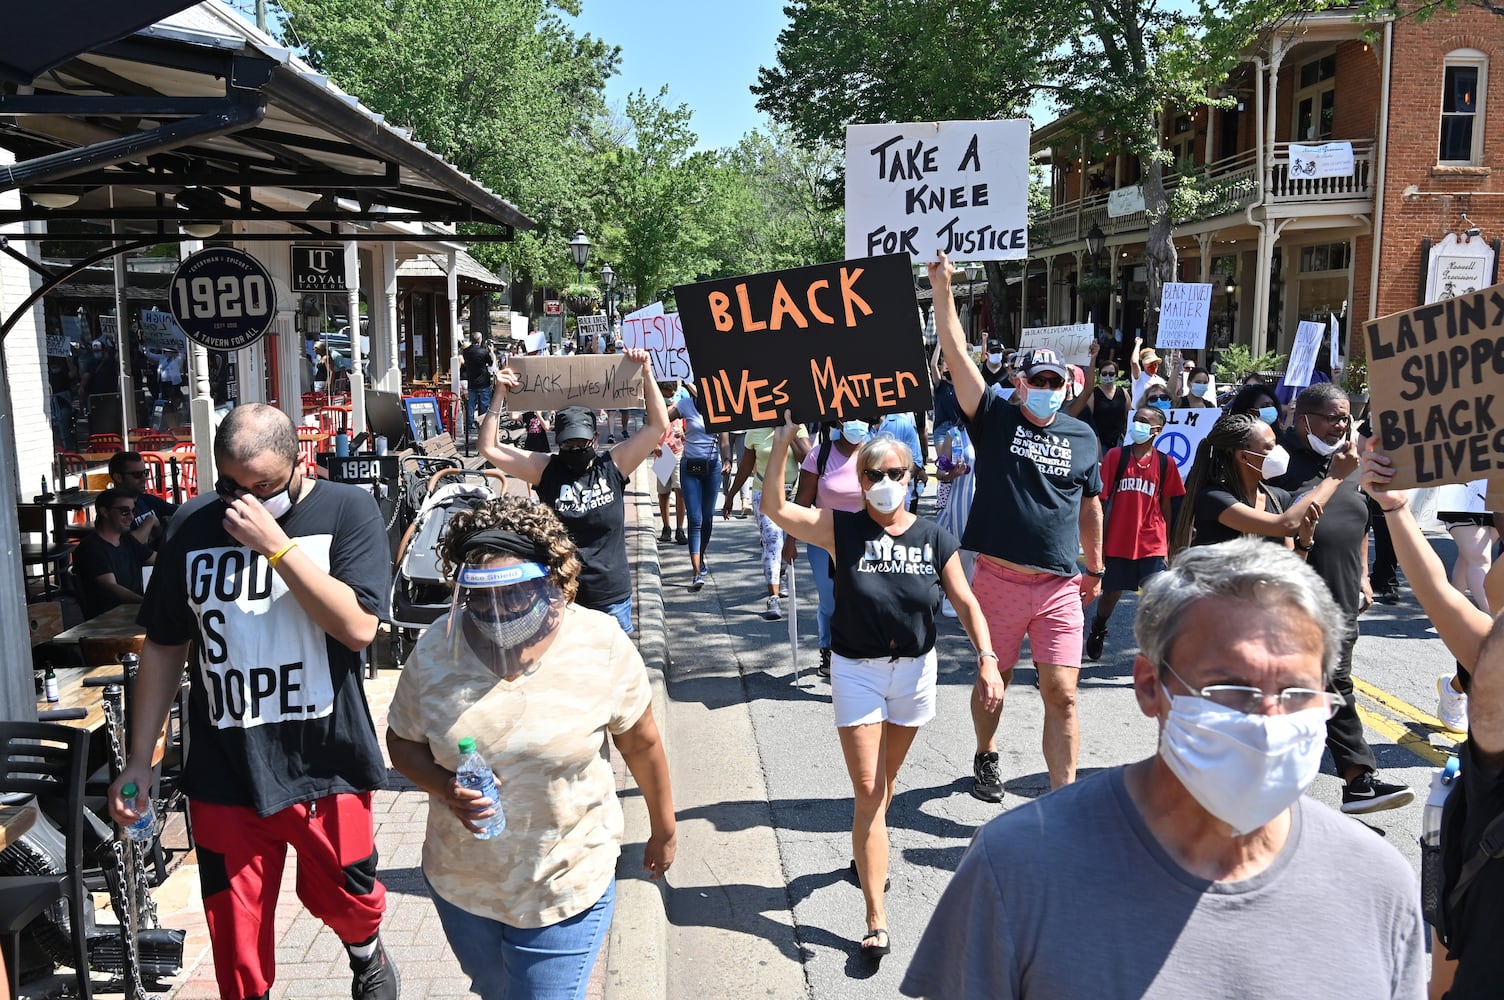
(762, 903)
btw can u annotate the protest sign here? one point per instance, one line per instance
(1436, 379)
(662, 336)
(159, 331)
(1335, 331)
(535, 342)
(1072, 342)
(1329, 159)
(1125, 201)
(592, 326)
(663, 466)
(595, 381)
(1183, 311)
(923, 187)
(1303, 354)
(826, 342)
(1185, 429)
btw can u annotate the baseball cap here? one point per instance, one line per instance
(574, 422)
(994, 346)
(1042, 359)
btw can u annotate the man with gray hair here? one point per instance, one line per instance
(271, 587)
(1201, 870)
(1339, 555)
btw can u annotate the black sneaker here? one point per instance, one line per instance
(376, 977)
(987, 777)
(1367, 794)
(824, 668)
(680, 538)
(1094, 641)
(665, 535)
(1388, 595)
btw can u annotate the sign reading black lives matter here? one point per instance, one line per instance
(826, 342)
(924, 187)
(1436, 377)
(223, 298)
(318, 268)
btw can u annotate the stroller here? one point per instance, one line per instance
(420, 591)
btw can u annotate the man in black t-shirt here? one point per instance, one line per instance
(128, 473)
(1035, 508)
(1339, 555)
(477, 363)
(107, 563)
(271, 589)
(993, 370)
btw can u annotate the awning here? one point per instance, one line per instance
(471, 273)
(39, 36)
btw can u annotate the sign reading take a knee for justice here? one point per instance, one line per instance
(1436, 377)
(826, 342)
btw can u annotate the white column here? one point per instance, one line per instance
(452, 289)
(200, 401)
(391, 379)
(357, 357)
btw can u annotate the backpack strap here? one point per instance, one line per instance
(1490, 848)
(823, 457)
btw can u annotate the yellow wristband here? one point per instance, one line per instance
(276, 556)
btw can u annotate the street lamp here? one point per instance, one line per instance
(1231, 289)
(972, 270)
(608, 282)
(1096, 242)
(579, 249)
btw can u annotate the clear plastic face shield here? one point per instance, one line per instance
(503, 610)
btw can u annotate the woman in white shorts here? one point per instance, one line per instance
(891, 569)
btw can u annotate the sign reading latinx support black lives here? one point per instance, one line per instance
(827, 342)
(1436, 377)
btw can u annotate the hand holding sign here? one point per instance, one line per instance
(940, 271)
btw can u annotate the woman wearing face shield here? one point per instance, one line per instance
(891, 569)
(1227, 496)
(538, 682)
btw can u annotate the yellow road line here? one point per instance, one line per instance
(1404, 735)
(1402, 707)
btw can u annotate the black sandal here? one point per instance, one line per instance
(876, 951)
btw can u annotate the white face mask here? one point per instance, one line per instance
(887, 496)
(1201, 390)
(1243, 769)
(994, 359)
(1276, 463)
(1319, 446)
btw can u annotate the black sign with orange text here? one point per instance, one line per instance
(827, 342)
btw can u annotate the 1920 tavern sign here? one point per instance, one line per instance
(318, 268)
(223, 298)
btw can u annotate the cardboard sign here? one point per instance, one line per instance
(1436, 378)
(1335, 331)
(1330, 159)
(662, 336)
(826, 343)
(1185, 429)
(535, 342)
(592, 326)
(1072, 342)
(1125, 201)
(1183, 311)
(159, 331)
(596, 381)
(1303, 355)
(663, 466)
(924, 187)
(57, 346)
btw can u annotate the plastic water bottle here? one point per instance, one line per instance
(957, 448)
(475, 773)
(146, 827)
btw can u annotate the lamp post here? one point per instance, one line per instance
(579, 249)
(608, 282)
(1231, 289)
(972, 270)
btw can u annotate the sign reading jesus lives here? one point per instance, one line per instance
(827, 342)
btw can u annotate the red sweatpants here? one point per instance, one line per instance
(241, 856)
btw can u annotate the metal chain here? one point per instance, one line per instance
(123, 884)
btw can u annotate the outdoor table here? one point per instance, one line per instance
(74, 693)
(61, 505)
(117, 623)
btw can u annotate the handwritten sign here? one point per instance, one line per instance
(159, 331)
(1071, 342)
(1185, 429)
(1125, 201)
(1183, 311)
(58, 346)
(1303, 355)
(825, 342)
(924, 187)
(535, 342)
(597, 381)
(592, 326)
(662, 336)
(1436, 378)
(1330, 159)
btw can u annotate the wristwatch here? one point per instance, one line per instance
(1098, 573)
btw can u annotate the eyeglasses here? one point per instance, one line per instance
(1045, 382)
(1250, 700)
(875, 476)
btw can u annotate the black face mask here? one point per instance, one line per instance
(577, 460)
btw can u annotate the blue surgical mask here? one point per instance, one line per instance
(1044, 403)
(1161, 404)
(855, 431)
(1140, 432)
(1269, 414)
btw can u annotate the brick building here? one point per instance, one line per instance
(1426, 135)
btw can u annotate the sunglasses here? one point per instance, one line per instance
(875, 476)
(1156, 399)
(1046, 382)
(122, 510)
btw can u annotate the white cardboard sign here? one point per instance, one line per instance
(1185, 428)
(1183, 311)
(925, 187)
(1072, 342)
(1303, 355)
(662, 336)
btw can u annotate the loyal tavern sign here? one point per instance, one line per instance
(318, 268)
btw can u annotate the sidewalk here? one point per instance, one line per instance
(312, 962)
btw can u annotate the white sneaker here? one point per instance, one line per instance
(774, 610)
(1451, 706)
(947, 609)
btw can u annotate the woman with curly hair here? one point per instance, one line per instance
(537, 682)
(1228, 498)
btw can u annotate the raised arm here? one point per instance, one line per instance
(1083, 399)
(526, 465)
(808, 524)
(964, 375)
(634, 450)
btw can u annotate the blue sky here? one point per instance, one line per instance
(706, 52)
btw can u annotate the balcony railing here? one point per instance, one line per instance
(1228, 186)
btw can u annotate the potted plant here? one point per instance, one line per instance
(1355, 381)
(582, 298)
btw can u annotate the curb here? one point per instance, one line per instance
(636, 956)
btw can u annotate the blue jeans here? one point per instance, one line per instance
(699, 501)
(478, 400)
(819, 568)
(622, 612)
(527, 963)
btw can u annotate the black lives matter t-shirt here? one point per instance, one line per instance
(1030, 481)
(887, 586)
(276, 711)
(593, 508)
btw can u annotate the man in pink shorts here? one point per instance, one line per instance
(1037, 482)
